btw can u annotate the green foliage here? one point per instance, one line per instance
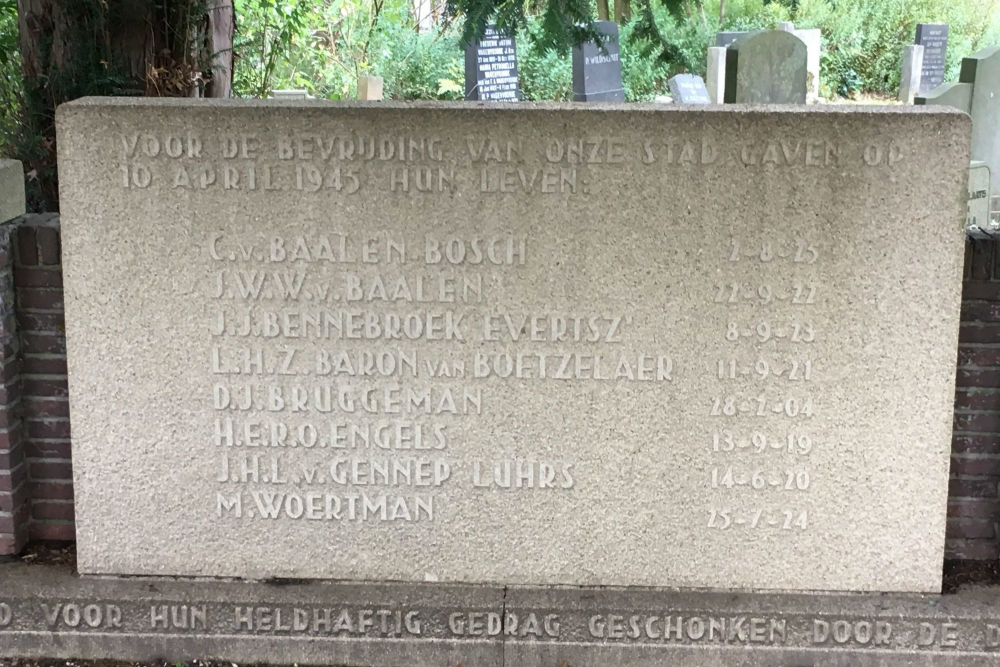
(11, 83)
(276, 26)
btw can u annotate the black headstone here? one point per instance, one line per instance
(689, 89)
(934, 38)
(727, 38)
(597, 72)
(491, 68)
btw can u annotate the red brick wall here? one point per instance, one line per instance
(44, 403)
(35, 472)
(974, 504)
(14, 506)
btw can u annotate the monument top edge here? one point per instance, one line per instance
(522, 107)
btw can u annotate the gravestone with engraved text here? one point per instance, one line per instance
(416, 342)
(597, 70)
(934, 38)
(688, 89)
(491, 68)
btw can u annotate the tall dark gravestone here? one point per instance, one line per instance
(491, 68)
(934, 38)
(597, 71)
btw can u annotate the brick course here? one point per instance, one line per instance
(14, 483)
(44, 405)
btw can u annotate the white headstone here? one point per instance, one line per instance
(909, 79)
(715, 77)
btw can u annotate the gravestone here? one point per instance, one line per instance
(399, 342)
(934, 38)
(11, 189)
(909, 78)
(976, 93)
(813, 39)
(597, 71)
(370, 88)
(727, 39)
(767, 68)
(982, 69)
(491, 68)
(977, 222)
(715, 74)
(688, 89)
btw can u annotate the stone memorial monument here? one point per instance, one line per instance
(491, 68)
(597, 71)
(689, 89)
(769, 67)
(396, 344)
(934, 38)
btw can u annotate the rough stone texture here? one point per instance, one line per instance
(597, 70)
(45, 611)
(11, 190)
(715, 77)
(909, 79)
(769, 67)
(821, 278)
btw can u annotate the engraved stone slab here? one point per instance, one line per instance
(934, 38)
(491, 68)
(597, 70)
(48, 612)
(689, 89)
(467, 344)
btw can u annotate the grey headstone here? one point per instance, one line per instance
(419, 342)
(934, 38)
(597, 72)
(768, 67)
(11, 190)
(909, 78)
(813, 38)
(957, 95)
(727, 39)
(688, 89)
(982, 70)
(491, 68)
